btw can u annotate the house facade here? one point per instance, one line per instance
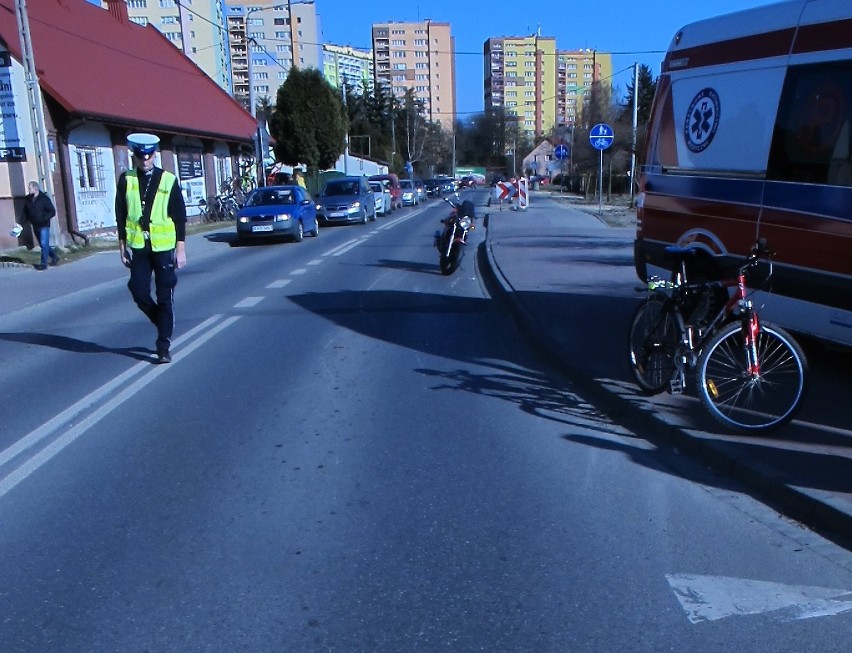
(102, 77)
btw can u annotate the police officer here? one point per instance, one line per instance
(151, 217)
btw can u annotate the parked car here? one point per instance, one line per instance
(433, 187)
(391, 181)
(448, 185)
(409, 192)
(278, 211)
(422, 195)
(346, 199)
(383, 197)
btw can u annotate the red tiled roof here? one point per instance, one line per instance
(96, 65)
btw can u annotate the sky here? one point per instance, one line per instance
(634, 31)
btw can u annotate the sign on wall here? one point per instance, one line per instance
(12, 148)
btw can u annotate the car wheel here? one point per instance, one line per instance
(300, 232)
(315, 231)
(364, 217)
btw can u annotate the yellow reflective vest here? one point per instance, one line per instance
(162, 228)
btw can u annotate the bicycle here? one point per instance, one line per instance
(219, 207)
(750, 375)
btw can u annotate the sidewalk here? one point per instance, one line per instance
(569, 280)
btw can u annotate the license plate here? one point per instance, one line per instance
(261, 227)
(337, 214)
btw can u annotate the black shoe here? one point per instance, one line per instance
(55, 262)
(40, 267)
(163, 355)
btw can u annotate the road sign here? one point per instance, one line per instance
(560, 152)
(601, 136)
(505, 189)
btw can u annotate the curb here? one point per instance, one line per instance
(821, 517)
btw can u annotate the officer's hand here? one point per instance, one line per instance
(180, 255)
(125, 256)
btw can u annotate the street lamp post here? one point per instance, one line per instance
(258, 150)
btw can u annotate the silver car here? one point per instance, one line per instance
(346, 199)
(383, 197)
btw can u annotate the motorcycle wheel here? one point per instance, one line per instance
(450, 264)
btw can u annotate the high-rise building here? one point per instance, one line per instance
(349, 66)
(520, 77)
(418, 56)
(577, 71)
(541, 86)
(194, 26)
(266, 40)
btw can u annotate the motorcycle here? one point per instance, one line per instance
(451, 241)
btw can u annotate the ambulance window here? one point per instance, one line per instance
(663, 148)
(811, 141)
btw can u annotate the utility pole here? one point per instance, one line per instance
(34, 98)
(635, 126)
(292, 35)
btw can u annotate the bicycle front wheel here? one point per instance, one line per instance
(652, 343)
(748, 401)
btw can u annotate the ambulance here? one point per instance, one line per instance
(750, 137)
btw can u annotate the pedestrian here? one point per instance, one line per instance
(151, 218)
(299, 179)
(39, 211)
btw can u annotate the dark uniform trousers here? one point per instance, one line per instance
(143, 263)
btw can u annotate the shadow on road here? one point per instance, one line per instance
(77, 346)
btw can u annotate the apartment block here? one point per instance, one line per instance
(349, 66)
(194, 26)
(577, 71)
(520, 77)
(419, 56)
(266, 41)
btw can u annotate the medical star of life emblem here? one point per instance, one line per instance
(702, 120)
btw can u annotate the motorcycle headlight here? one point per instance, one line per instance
(464, 223)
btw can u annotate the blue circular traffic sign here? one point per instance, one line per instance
(601, 136)
(560, 152)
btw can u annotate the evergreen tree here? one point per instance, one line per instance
(309, 123)
(647, 88)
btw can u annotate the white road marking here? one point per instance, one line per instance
(298, 271)
(316, 261)
(350, 245)
(248, 302)
(708, 598)
(278, 284)
(39, 458)
(347, 245)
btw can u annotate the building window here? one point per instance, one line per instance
(137, 4)
(91, 170)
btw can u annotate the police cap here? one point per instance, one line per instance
(142, 143)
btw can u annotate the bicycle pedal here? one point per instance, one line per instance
(676, 386)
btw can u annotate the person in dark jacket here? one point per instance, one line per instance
(38, 211)
(150, 216)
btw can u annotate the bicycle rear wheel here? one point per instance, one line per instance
(747, 402)
(652, 344)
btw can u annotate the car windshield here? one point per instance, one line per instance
(342, 187)
(271, 197)
(377, 187)
(406, 183)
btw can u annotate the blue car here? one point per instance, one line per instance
(276, 211)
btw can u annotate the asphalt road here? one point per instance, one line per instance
(351, 452)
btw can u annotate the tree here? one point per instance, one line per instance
(647, 88)
(309, 123)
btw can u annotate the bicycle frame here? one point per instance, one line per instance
(689, 348)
